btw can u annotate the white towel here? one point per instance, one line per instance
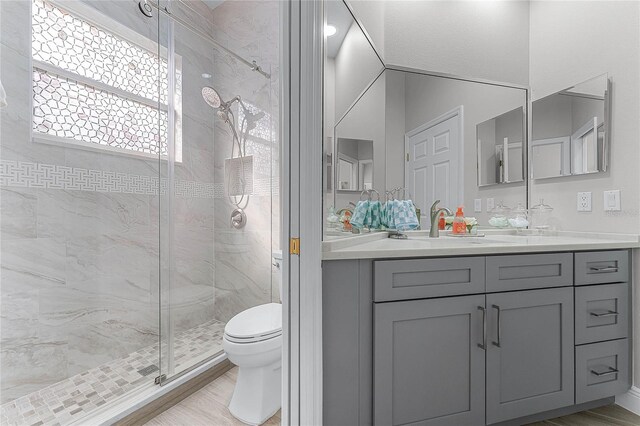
(3, 96)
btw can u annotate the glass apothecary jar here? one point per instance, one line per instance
(541, 216)
(519, 218)
(500, 216)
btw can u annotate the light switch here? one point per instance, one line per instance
(612, 201)
(490, 204)
(477, 205)
(584, 201)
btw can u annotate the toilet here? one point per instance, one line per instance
(253, 341)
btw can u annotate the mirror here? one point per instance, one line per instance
(570, 133)
(351, 66)
(500, 142)
(351, 63)
(423, 131)
(355, 165)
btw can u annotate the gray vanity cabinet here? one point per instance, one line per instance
(530, 365)
(474, 340)
(428, 362)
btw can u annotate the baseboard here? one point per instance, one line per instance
(630, 400)
(171, 398)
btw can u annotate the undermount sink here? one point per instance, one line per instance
(462, 241)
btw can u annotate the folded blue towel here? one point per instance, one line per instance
(404, 216)
(360, 214)
(375, 215)
(388, 215)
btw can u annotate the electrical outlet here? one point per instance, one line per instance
(584, 201)
(612, 201)
(490, 204)
(477, 205)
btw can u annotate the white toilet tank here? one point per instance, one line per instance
(276, 257)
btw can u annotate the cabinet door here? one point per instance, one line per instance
(530, 365)
(428, 365)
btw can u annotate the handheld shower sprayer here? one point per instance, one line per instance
(249, 120)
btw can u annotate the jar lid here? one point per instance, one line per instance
(541, 207)
(500, 208)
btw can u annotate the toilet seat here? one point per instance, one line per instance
(256, 324)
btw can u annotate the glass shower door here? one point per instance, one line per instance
(189, 334)
(222, 157)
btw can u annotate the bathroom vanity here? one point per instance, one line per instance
(509, 330)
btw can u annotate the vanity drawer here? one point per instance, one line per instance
(422, 278)
(602, 312)
(595, 267)
(529, 271)
(602, 370)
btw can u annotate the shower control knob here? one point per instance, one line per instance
(238, 218)
(145, 8)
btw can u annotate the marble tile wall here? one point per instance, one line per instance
(80, 250)
(243, 270)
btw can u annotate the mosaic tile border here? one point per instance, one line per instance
(76, 397)
(50, 176)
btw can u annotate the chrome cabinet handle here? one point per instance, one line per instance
(606, 373)
(497, 308)
(604, 269)
(604, 314)
(483, 345)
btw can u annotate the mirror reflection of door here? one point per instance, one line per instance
(433, 164)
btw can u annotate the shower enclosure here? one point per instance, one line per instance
(121, 259)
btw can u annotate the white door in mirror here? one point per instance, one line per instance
(612, 201)
(433, 171)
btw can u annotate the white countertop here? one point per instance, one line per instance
(377, 245)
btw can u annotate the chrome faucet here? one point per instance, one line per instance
(434, 232)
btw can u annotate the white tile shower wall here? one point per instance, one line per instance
(243, 257)
(80, 254)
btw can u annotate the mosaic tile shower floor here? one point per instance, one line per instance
(72, 399)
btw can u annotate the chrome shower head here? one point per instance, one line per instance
(211, 97)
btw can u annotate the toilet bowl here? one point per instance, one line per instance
(253, 341)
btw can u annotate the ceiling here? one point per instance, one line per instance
(339, 16)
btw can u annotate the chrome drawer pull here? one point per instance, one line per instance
(606, 373)
(483, 345)
(604, 269)
(497, 308)
(604, 314)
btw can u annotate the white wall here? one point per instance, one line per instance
(566, 50)
(356, 65)
(481, 39)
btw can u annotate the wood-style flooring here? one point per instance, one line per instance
(207, 407)
(609, 415)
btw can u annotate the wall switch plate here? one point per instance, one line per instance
(477, 205)
(490, 204)
(612, 201)
(584, 201)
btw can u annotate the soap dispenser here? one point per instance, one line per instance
(459, 226)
